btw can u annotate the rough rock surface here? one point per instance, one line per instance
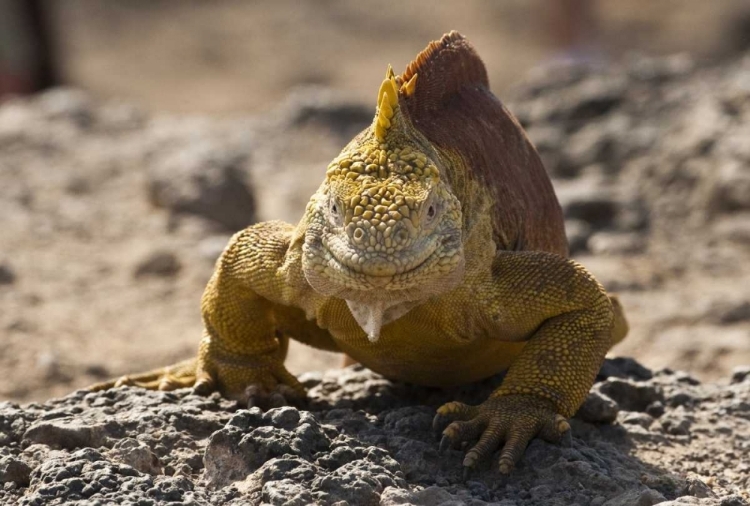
(364, 440)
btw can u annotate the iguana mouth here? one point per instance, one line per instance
(383, 270)
(435, 267)
(382, 266)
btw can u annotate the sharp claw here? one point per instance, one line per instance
(567, 438)
(466, 472)
(470, 459)
(506, 466)
(437, 422)
(123, 381)
(203, 387)
(277, 400)
(445, 443)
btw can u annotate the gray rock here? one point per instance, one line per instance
(728, 312)
(646, 497)
(587, 200)
(740, 373)
(320, 107)
(655, 409)
(163, 264)
(70, 434)
(14, 470)
(732, 190)
(67, 104)
(734, 227)
(697, 488)
(630, 395)
(137, 455)
(598, 408)
(578, 232)
(623, 367)
(7, 276)
(207, 180)
(633, 418)
(616, 243)
(677, 424)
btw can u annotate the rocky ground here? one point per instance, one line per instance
(641, 438)
(112, 219)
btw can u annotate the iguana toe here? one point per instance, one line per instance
(176, 376)
(276, 397)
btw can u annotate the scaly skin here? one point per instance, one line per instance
(433, 253)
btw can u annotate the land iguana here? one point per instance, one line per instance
(434, 252)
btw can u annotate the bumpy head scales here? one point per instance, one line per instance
(385, 229)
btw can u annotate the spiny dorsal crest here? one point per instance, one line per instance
(388, 101)
(446, 66)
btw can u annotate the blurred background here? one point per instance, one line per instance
(136, 136)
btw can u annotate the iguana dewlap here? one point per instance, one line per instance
(433, 252)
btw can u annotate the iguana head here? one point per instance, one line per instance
(384, 229)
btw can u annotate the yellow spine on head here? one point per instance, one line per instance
(387, 104)
(409, 86)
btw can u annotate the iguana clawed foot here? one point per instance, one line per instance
(179, 375)
(512, 419)
(261, 381)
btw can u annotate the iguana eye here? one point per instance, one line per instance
(430, 213)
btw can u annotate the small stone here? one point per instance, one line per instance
(598, 408)
(680, 399)
(647, 497)
(616, 243)
(590, 203)
(163, 264)
(740, 374)
(205, 179)
(14, 470)
(642, 419)
(624, 367)
(655, 409)
(137, 455)
(676, 424)
(733, 500)
(7, 276)
(727, 313)
(697, 488)
(578, 232)
(629, 395)
(71, 434)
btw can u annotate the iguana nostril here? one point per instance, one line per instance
(400, 234)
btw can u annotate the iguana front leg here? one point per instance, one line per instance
(248, 314)
(568, 320)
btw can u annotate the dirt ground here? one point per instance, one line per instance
(101, 271)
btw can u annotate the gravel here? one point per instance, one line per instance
(361, 439)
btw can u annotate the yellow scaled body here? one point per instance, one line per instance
(432, 253)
